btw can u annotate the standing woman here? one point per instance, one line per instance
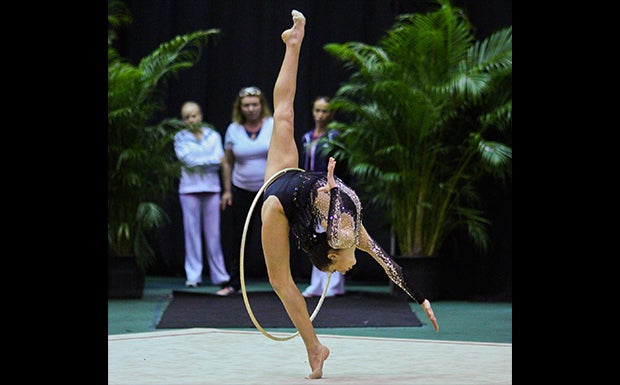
(321, 211)
(199, 147)
(316, 152)
(246, 144)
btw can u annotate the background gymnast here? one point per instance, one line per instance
(323, 213)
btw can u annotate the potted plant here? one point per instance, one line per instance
(426, 106)
(142, 167)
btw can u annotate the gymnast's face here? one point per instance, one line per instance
(342, 260)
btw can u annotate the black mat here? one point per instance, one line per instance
(354, 309)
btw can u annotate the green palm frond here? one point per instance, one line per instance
(142, 166)
(421, 103)
(118, 15)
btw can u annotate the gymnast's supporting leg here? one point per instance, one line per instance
(283, 153)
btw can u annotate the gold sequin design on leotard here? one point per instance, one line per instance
(344, 227)
(342, 223)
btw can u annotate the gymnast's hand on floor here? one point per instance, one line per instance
(426, 305)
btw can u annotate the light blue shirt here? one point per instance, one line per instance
(201, 160)
(248, 171)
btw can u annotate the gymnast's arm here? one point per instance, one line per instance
(394, 272)
(342, 228)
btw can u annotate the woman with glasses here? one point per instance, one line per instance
(321, 211)
(246, 143)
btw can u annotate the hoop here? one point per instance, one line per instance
(241, 259)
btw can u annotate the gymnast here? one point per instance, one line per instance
(323, 213)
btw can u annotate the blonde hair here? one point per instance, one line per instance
(190, 104)
(237, 114)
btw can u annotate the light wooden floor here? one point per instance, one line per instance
(217, 356)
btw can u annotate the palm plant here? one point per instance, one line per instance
(426, 106)
(142, 168)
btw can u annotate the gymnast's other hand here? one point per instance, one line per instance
(331, 182)
(426, 305)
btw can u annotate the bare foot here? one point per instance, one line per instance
(316, 361)
(296, 33)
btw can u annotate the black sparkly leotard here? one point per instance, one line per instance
(337, 212)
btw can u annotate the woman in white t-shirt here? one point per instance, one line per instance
(246, 144)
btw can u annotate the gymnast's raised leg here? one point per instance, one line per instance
(283, 153)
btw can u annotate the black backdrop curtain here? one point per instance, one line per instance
(249, 51)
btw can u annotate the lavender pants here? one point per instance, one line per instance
(201, 216)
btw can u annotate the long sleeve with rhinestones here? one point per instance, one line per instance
(337, 213)
(341, 232)
(340, 213)
(391, 268)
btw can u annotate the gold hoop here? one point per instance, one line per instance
(241, 260)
